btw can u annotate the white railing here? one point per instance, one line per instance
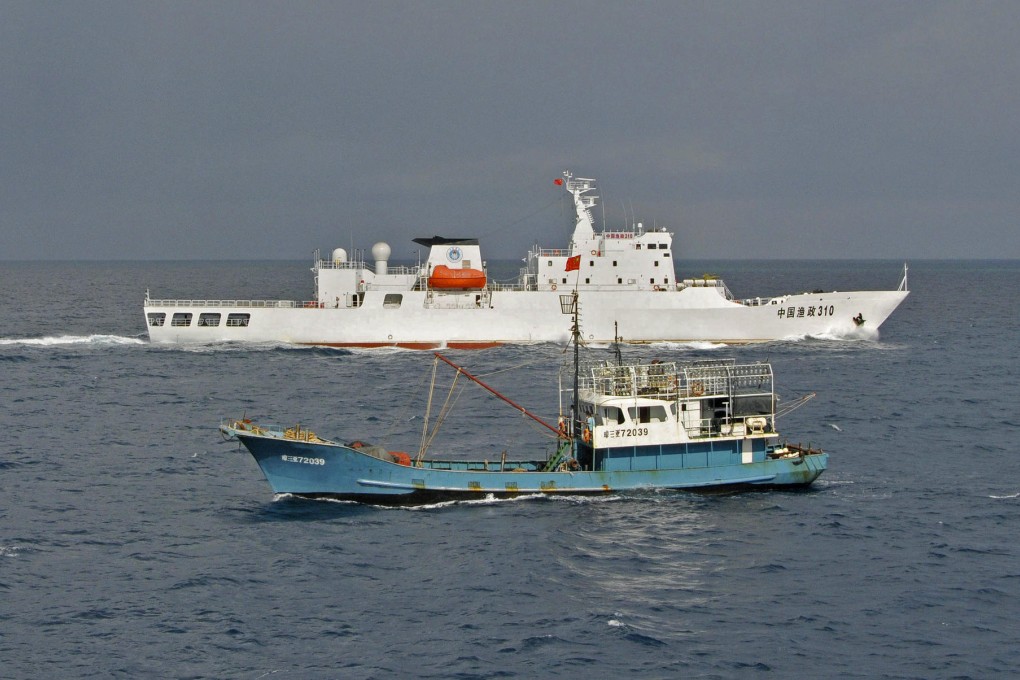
(231, 303)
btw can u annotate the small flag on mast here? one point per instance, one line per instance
(573, 263)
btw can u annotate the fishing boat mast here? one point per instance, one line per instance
(568, 305)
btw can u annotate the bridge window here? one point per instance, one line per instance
(613, 415)
(648, 414)
(651, 246)
(157, 318)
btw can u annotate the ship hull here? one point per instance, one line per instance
(331, 470)
(465, 320)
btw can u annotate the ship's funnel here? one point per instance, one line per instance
(381, 255)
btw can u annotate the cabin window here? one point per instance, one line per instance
(663, 246)
(392, 300)
(591, 263)
(665, 254)
(613, 415)
(157, 318)
(614, 263)
(564, 280)
(181, 319)
(619, 280)
(637, 246)
(651, 246)
(550, 263)
(209, 319)
(656, 263)
(238, 320)
(666, 280)
(587, 281)
(647, 414)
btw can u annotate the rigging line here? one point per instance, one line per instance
(441, 418)
(510, 368)
(443, 412)
(428, 413)
(518, 221)
(400, 415)
(792, 406)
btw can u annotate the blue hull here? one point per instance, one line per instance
(325, 469)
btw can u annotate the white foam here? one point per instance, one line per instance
(57, 340)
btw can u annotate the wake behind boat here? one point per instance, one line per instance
(626, 279)
(638, 426)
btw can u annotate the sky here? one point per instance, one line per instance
(264, 130)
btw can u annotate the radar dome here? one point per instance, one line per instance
(339, 255)
(381, 253)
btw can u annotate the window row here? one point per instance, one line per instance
(205, 319)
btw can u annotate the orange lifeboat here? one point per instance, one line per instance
(444, 278)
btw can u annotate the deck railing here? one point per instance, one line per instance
(232, 303)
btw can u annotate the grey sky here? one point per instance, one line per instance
(223, 130)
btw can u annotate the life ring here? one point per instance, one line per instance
(657, 287)
(552, 286)
(586, 435)
(697, 388)
(563, 427)
(593, 252)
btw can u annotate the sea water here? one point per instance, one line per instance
(135, 542)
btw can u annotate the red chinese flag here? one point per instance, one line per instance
(558, 182)
(573, 263)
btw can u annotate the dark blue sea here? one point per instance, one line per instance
(135, 542)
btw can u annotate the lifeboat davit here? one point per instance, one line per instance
(444, 278)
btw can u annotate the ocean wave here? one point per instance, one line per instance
(63, 340)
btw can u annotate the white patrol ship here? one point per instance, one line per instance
(626, 283)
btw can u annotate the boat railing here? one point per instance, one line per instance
(149, 302)
(496, 286)
(551, 252)
(402, 270)
(728, 426)
(668, 380)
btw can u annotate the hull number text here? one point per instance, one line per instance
(302, 459)
(801, 312)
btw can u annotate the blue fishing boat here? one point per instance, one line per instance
(631, 426)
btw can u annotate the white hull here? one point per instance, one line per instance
(520, 317)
